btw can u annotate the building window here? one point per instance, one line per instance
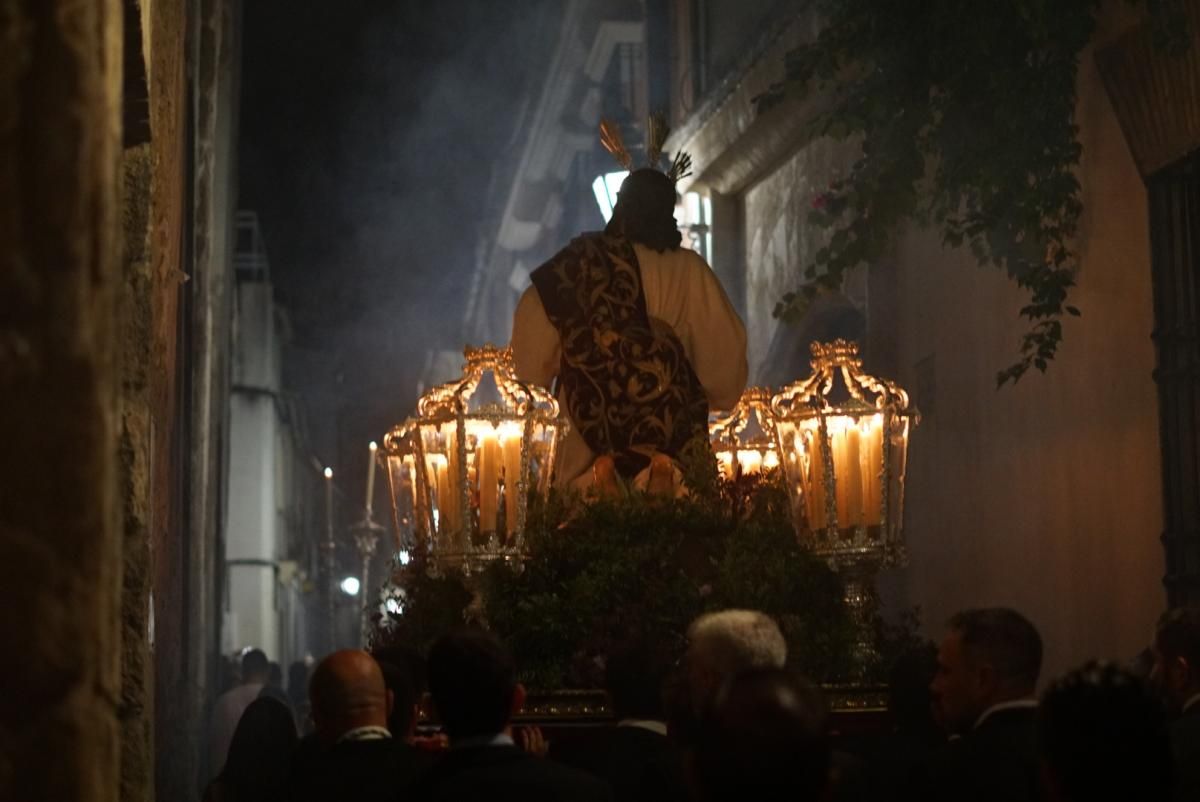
(694, 215)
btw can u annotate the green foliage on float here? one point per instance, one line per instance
(600, 572)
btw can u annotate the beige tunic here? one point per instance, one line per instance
(682, 291)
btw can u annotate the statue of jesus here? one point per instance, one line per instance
(640, 337)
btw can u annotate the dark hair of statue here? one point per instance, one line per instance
(645, 211)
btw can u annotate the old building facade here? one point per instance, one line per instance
(1047, 496)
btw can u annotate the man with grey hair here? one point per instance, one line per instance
(722, 645)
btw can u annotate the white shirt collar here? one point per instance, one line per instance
(369, 733)
(658, 727)
(499, 739)
(1014, 704)
(1192, 701)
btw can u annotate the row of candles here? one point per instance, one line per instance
(493, 471)
(856, 457)
(494, 461)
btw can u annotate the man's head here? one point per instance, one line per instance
(645, 210)
(255, 667)
(1176, 669)
(474, 684)
(347, 692)
(403, 719)
(726, 643)
(633, 676)
(764, 737)
(988, 656)
(1102, 735)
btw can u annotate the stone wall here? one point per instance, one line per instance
(1044, 496)
(60, 512)
(214, 57)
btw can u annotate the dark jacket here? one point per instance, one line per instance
(1185, 748)
(360, 770)
(637, 764)
(995, 762)
(505, 774)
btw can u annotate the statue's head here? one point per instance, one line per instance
(645, 210)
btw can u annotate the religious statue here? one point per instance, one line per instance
(636, 331)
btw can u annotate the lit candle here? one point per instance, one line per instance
(851, 478)
(329, 500)
(450, 505)
(750, 461)
(410, 471)
(373, 447)
(487, 451)
(815, 452)
(511, 436)
(870, 458)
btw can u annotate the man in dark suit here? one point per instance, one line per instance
(353, 755)
(1176, 672)
(764, 736)
(983, 692)
(635, 757)
(473, 682)
(1102, 737)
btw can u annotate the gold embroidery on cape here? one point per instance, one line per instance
(624, 377)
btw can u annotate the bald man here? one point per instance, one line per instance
(358, 758)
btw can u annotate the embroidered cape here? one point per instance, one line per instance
(624, 377)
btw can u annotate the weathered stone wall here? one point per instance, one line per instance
(170, 633)
(60, 513)
(152, 214)
(215, 58)
(135, 462)
(1044, 496)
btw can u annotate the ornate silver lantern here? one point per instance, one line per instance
(844, 450)
(461, 471)
(744, 438)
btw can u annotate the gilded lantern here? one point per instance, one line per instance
(744, 439)
(461, 471)
(843, 441)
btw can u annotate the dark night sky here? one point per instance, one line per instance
(368, 133)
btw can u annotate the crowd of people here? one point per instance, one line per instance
(726, 720)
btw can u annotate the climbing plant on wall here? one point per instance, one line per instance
(965, 115)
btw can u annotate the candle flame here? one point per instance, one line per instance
(329, 473)
(373, 445)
